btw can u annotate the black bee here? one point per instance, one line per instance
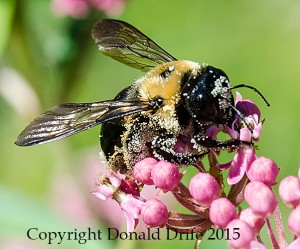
(176, 101)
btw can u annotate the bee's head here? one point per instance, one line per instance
(208, 96)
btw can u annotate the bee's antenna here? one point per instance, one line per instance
(255, 90)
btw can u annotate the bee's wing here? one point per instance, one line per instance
(68, 119)
(126, 44)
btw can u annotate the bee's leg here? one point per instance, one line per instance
(230, 144)
(163, 149)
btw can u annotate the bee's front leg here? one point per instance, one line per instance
(164, 149)
(203, 141)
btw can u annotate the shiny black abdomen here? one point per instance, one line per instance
(111, 132)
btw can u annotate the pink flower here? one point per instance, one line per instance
(110, 186)
(165, 176)
(251, 115)
(254, 220)
(289, 190)
(263, 170)
(131, 207)
(80, 8)
(260, 198)
(246, 106)
(245, 155)
(239, 165)
(294, 221)
(142, 170)
(154, 213)
(204, 188)
(241, 234)
(222, 211)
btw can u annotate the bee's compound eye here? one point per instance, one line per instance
(157, 102)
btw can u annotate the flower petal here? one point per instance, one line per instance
(245, 134)
(130, 220)
(257, 130)
(131, 208)
(231, 132)
(114, 179)
(238, 97)
(240, 163)
(247, 107)
(223, 166)
(103, 192)
(212, 132)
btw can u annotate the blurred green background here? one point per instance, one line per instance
(48, 59)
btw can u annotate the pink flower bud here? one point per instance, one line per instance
(294, 221)
(260, 198)
(204, 188)
(221, 212)
(254, 220)
(165, 176)
(289, 190)
(241, 234)
(263, 170)
(142, 170)
(154, 213)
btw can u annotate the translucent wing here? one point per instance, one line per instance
(126, 44)
(68, 119)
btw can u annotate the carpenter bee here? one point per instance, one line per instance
(176, 101)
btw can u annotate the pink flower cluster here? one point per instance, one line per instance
(153, 212)
(257, 193)
(80, 8)
(251, 178)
